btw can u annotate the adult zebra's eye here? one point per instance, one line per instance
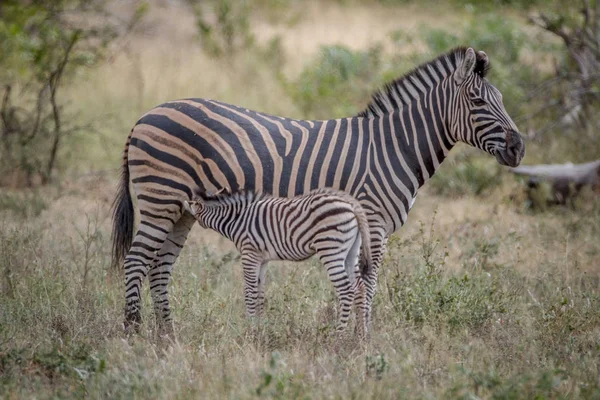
(478, 102)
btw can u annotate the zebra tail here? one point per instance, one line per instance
(123, 216)
(363, 227)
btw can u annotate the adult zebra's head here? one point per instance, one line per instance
(479, 117)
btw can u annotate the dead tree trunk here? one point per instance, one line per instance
(566, 180)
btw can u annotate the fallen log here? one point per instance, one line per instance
(566, 180)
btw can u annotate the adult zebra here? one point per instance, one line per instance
(381, 156)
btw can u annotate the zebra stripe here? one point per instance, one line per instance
(381, 157)
(327, 223)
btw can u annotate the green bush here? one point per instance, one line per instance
(229, 32)
(490, 384)
(567, 317)
(338, 83)
(466, 174)
(23, 203)
(470, 300)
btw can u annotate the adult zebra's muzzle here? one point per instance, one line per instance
(514, 151)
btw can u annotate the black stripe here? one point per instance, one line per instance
(256, 140)
(352, 151)
(362, 167)
(151, 225)
(325, 143)
(163, 201)
(313, 134)
(164, 182)
(337, 152)
(156, 216)
(193, 139)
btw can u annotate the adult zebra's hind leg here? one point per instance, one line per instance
(160, 273)
(148, 240)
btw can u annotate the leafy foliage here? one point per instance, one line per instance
(337, 83)
(466, 174)
(424, 296)
(225, 29)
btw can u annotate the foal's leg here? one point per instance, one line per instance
(261, 289)
(251, 262)
(358, 286)
(378, 246)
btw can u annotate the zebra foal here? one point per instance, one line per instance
(327, 223)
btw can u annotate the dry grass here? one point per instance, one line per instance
(523, 323)
(528, 323)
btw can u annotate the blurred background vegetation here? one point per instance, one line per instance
(545, 61)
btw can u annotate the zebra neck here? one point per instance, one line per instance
(408, 146)
(221, 217)
(416, 142)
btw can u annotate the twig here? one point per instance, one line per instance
(53, 83)
(537, 303)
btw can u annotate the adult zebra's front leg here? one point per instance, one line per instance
(160, 273)
(378, 246)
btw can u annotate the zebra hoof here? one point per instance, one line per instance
(133, 323)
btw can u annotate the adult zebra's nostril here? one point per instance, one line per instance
(514, 144)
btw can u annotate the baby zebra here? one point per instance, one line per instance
(325, 222)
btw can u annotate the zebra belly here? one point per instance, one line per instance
(280, 254)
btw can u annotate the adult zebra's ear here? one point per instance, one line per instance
(482, 58)
(466, 67)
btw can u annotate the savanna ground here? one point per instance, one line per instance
(479, 295)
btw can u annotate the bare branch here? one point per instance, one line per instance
(53, 83)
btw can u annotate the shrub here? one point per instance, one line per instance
(228, 31)
(468, 301)
(567, 317)
(489, 384)
(425, 297)
(466, 174)
(338, 83)
(23, 203)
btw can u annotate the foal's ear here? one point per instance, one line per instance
(189, 206)
(223, 191)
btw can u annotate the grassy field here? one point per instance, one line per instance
(479, 297)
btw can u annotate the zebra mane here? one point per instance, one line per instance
(394, 94)
(227, 199)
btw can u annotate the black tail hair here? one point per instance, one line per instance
(123, 218)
